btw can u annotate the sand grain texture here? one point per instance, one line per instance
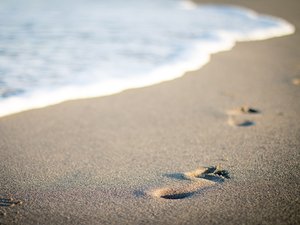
(89, 161)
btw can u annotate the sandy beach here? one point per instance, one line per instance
(218, 146)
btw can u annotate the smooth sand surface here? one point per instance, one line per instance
(95, 161)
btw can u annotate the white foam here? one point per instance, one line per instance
(137, 56)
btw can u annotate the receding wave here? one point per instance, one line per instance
(53, 51)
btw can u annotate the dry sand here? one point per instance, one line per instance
(95, 161)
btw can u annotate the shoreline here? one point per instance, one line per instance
(193, 61)
(91, 161)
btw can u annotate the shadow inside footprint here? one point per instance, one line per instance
(240, 123)
(177, 196)
(246, 123)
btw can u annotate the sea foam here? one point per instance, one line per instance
(53, 51)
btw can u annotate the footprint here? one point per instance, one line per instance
(9, 202)
(201, 179)
(237, 117)
(239, 122)
(243, 110)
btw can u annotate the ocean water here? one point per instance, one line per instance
(53, 51)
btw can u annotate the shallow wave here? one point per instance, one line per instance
(53, 51)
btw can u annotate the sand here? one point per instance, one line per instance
(99, 161)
